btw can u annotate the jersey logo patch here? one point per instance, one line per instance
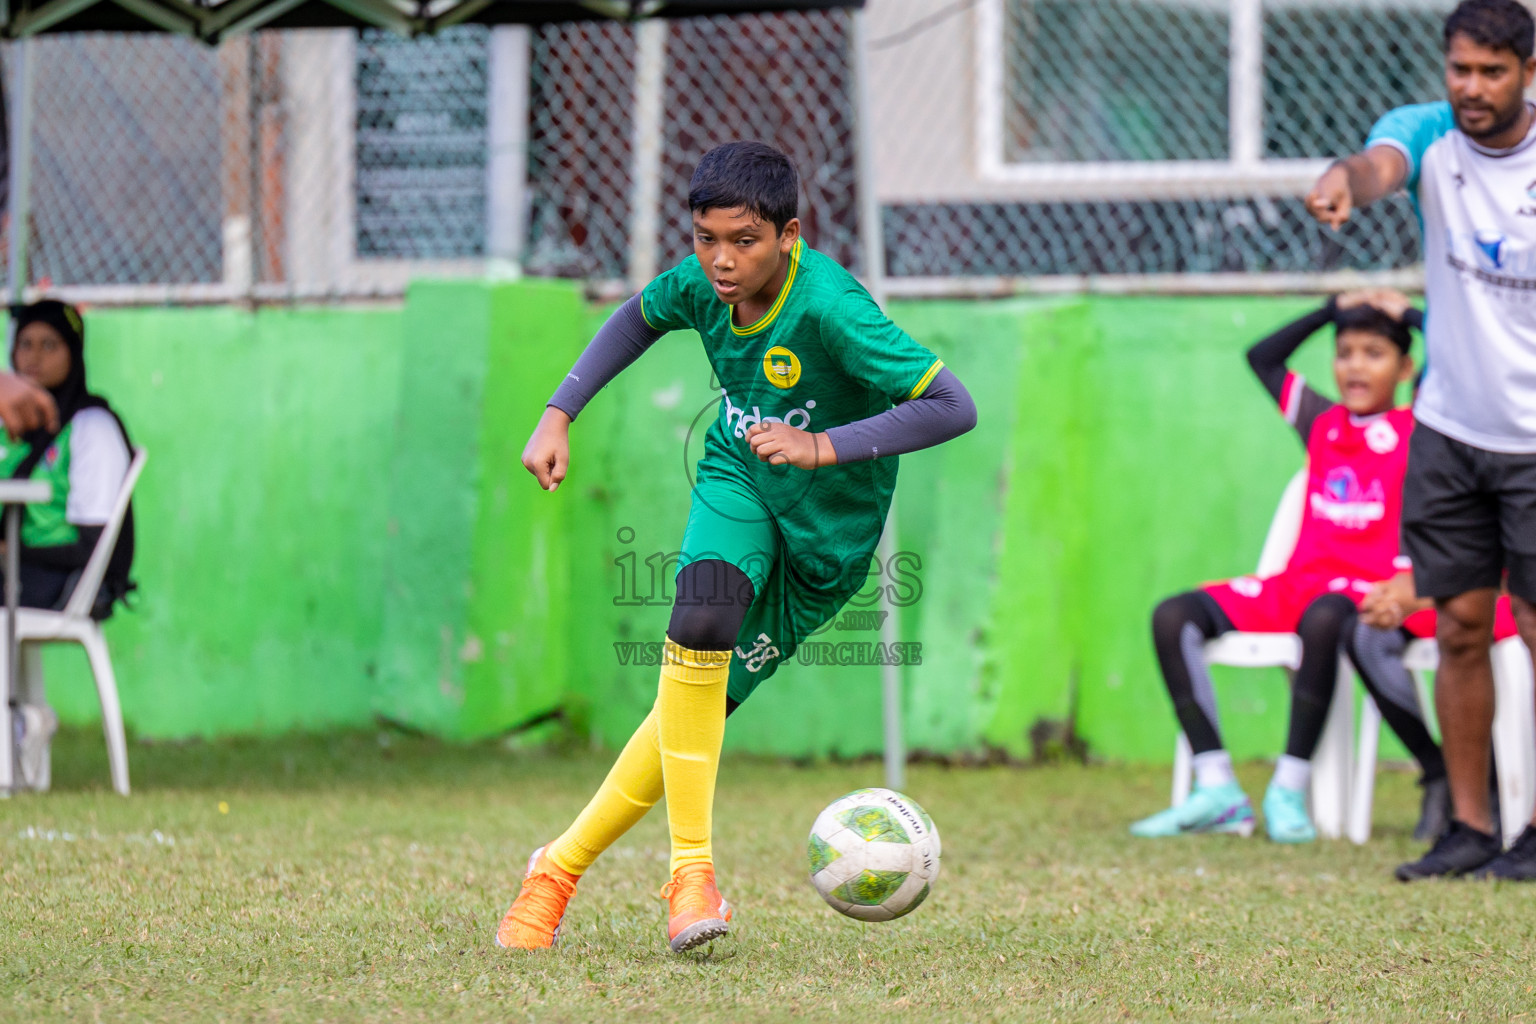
(781, 367)
(1380, 437)
(1344, 503)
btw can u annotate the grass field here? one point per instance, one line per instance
(361, 878)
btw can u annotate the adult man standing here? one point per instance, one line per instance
(1469, 501)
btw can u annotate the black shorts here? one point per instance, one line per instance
(1468, 514)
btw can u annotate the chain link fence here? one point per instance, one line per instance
(1016, 145)
(1143, 138)
(125, 171)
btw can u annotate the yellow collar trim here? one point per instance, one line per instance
(778, 303)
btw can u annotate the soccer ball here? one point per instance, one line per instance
(874, 855)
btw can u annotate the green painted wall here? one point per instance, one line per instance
(260, 516)
(335, 523)
(476, 580)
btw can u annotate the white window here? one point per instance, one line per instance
(1171, 98)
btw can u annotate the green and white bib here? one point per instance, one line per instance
(44, 524)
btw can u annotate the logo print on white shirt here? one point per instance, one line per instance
(1490, 246)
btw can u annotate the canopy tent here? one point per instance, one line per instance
(212, 20)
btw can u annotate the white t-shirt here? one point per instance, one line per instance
(98, 462)
(1477, 208)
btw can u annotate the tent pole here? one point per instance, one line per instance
(19, 199)
(872, 256)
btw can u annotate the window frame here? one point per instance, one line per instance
(1244, 172)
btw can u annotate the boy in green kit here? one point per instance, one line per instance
(819, 394)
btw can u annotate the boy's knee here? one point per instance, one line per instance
(1329, 615)
(1171, 614)
(703, 627)
(712, 600)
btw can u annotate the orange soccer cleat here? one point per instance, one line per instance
(534, 920)
(697, 911)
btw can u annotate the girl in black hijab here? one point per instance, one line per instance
(85, 461)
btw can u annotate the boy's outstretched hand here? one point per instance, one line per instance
(779, 443)
(548, 451)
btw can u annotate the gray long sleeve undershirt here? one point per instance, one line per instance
(943, 411)
(620, 341)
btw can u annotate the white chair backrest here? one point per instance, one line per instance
(1285, 527)
(84, 597)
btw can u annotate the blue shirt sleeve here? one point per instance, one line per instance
(1411, 130)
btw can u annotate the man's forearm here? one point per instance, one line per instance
(1369, 180)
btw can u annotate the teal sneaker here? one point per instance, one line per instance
(1285, 815)
(1223, 808)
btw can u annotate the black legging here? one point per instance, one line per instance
(1323, 627)
(1377, 655)
(712, 601)
(1182, 625)
(42, 586)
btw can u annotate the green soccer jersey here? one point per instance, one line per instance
(822, 356)
(43, 525)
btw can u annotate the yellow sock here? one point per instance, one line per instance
(632, 787)
(690, 707)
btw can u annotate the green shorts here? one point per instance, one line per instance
(793, 594)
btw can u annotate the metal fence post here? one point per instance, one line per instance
(650, 84)
(872, 254)
(506, 164)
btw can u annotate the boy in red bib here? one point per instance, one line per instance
(1346, 558)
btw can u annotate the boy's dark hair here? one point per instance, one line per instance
(1369, 318)
(1496, 24)
(750, 176)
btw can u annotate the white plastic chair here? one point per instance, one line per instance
(38, 626)
(1331, 772)
(1514, 735)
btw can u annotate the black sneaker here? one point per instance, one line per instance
(1462, 849)
(1517, 864)
(1434, 810)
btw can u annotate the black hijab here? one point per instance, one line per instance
(71, 396)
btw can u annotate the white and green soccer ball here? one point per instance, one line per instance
(874, 855)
